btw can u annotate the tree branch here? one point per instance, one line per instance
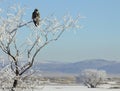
(21, 26)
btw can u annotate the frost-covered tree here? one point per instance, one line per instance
(92, 77)
(20, 39)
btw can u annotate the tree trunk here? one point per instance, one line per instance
(15, 83)
(92, 86)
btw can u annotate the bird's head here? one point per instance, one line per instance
(36, 10)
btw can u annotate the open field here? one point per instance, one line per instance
(66, 88)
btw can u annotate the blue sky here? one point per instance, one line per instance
(99, 38)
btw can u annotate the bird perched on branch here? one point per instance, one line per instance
(36, 17)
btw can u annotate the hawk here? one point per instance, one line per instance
(36, 17)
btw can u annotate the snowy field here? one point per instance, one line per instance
(75, 88)
(66, 88)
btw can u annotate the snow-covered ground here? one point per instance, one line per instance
(68, 88)
(75, 88)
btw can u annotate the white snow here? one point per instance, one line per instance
(68, 88)
(73, 88)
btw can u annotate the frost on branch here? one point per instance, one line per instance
(6, 77)
(51, 28)
(92, 78)
(23, 41)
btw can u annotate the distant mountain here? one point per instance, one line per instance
(111, 67)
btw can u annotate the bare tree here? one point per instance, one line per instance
(92, 78)
(22, 39)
